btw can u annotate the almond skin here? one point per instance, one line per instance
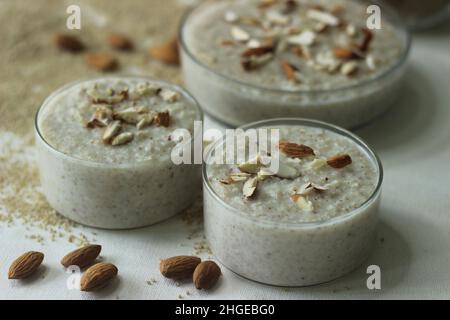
(289, 71)
(179, 267)
(343, 53)
(98, 276)
(68, 43)
(119, 42)
(102, 61)
(167, 53)
(206, 275)
(339, 161)
(162, 119)
(294, 150)
(25, 265)
(82, 257)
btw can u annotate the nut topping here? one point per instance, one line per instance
(294, 150)
(339, 161)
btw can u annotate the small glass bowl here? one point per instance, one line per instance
(115, 196)
(291, 254)
(236, 102)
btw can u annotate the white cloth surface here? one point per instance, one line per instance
(413, 141)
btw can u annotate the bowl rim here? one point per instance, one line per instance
(393, 17)
(54, 94)
(295, 225)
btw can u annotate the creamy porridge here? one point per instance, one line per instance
(250, 60)
(104, 151)
(310, 222)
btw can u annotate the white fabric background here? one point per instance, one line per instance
(413, 141)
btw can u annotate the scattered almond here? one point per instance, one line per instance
(122, 139)
(257, 51)
(82, 257)
(162, 119)
(367, 39)
(102, 61)
(324, 17)
(167, 53)
(119, 42)
(179, 267)
(68, 43)
(249, 187)
(25, 265)
(343, 53)
(339, 161)
(289, 71)
(206, 275)
(239, 34)
(111, 131)
(302, 202)
(349, 68)
(294, 150)
(98, 276)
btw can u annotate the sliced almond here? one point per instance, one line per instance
(290, 71)
(339, 161)
(264, 174)
(303, 203)
(122, 139)
(231, 16)
(343, 53)
(239, 176)
(102, 61)
(170, 96)
(249, 187)
(257, 51)
(239, 34)
(130, 115)
(371, 64)
(294, 150)
(323, 17)
(306, 38)
(251, 166)
(367, 39)
(277, 18)
(119, 42)
(256, 62)
(318, 163)
(112, 130)
(285, 171)
(351, 30)
(145, 121)
(167, 53)
(349, 68)
(147, 88)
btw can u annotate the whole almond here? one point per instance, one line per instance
(206, 275)
(25, 265)
(339, 161)
(178, 267)
(119, 42)
(98, 276)
(294, 150)
(82, 257)
(167, 53)
(68, 43)
(102, 61)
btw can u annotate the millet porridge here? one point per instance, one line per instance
(310, 222)
(105, 151)
(250, 60)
